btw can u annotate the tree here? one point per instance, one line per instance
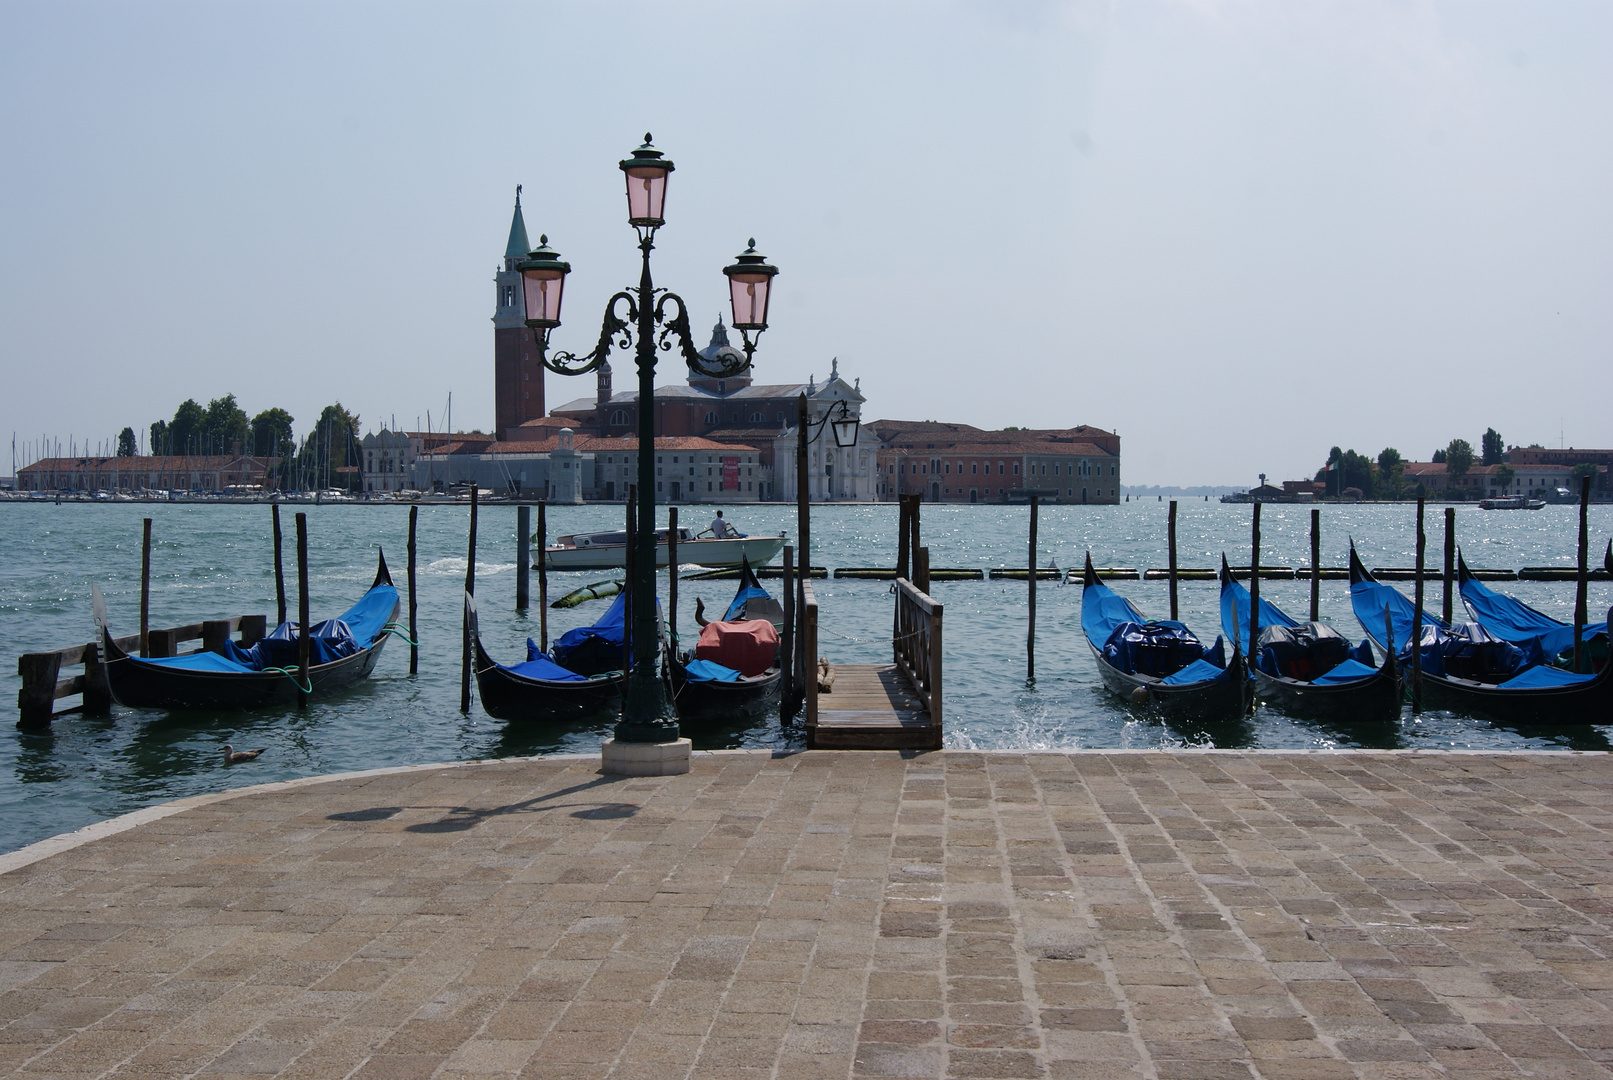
(159, 437)
(1439, 457)
(1458, 458)
(226, 425)
(1583, 469)
(1504, 475)
(1391, 468)
(126, 442)
(1346, 469)
(1494, 451)
(331, 446)
(271, 434)
(186, 428)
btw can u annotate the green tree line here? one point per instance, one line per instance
(223, 427)
(1385, 477)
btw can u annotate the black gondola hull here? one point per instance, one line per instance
(1373, 699)
(1546, 706)
(514, 699)
(1218, 701)
(719, 702)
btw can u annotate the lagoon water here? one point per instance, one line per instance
(216, 561)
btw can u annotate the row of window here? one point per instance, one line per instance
(1037, 468)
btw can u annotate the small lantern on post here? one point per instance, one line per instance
(646, 173)
(543, 283)
(845, 427)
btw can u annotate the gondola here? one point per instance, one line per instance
(539, 690)
(1541, 637)
(1189, 682)
(708, 690)
(1306, 669)
(1466, 670)
(342, 651)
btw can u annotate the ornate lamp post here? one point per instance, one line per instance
(652, 318)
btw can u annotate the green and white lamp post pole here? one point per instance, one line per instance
(651, 319)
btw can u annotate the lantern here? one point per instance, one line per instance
(543, 279)
(646, 174)
(750, 282)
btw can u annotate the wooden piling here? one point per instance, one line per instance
(787, 642)
(672, 576)
(302, 611)
(145, 586)
(1450, 560)
(1170, 540)
(543, 577)
(523, 557)
(1417, 619)
(1030, 579)
(1581, 616)
(279, 569)
(414, 638)
(470, 589)
(1316, 564)
(1253, 653)
(921, 571)
(803, 521)
(902, 537)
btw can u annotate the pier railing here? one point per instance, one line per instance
(917, 644)
(41, 673)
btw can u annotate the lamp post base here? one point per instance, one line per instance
(645, 759)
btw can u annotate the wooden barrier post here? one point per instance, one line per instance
(279, 568)
(1030, 635)
(302, 610)
(1170, 540)
(672, 577)
(145, 586)
(1316, 564)
(803, 517)
(1581, 656)
(902, 537)
(1450, 559)
(1417, 621)
(37, 698)
(470, 588)
(414, 638)
(543, 578)
(523, 571)
(1252, 654)
(787, 645)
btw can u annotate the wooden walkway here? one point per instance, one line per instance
(872, 707)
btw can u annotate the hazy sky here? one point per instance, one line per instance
(1236, 232)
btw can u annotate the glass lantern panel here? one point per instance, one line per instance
(543, 290)
(749, 292)
(646, 194)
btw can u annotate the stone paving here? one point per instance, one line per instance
(1188, 916)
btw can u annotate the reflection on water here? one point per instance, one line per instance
(215, 561)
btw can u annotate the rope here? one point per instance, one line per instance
(396, 629)
(291, 673)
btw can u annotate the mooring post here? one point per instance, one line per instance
(145, 587)
(902, 537)
(470, 588)
(279, 569)
(921, 574)
(1030, 634)
(302, 611)
(1170, 543)
(803, 520)
(414, 638)
(543, 578)
(787, 644)
(672, 577)
(1417, 619)
(1450, 559)
(1316, 564)
(523, 540)
(1580, 614)
(1252, 654)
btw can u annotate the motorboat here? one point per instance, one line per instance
(607, 550)
(1512, 502)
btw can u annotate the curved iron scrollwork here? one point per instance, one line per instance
(676, 331)
(565, 363)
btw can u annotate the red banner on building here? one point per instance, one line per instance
(730, 474)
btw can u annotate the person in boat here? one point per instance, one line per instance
(722, 530)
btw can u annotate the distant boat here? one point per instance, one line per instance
(1513, 502)
(608, 550)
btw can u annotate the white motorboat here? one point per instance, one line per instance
(604, 550)
(1517, 502)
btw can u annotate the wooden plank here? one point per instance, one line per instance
(873, 707)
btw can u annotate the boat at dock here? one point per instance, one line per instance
(735, 671)
(539, 690)
(608, 550)
(1160, 663)
(342, 651)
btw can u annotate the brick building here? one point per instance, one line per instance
(961, 463)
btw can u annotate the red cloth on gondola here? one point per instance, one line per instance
(750, 647)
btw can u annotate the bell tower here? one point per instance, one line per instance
(517, 371)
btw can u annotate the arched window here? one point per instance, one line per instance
(618, 418)
(756, 417)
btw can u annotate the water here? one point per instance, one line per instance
(215, 561)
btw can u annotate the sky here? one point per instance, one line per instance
(1237, 232)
